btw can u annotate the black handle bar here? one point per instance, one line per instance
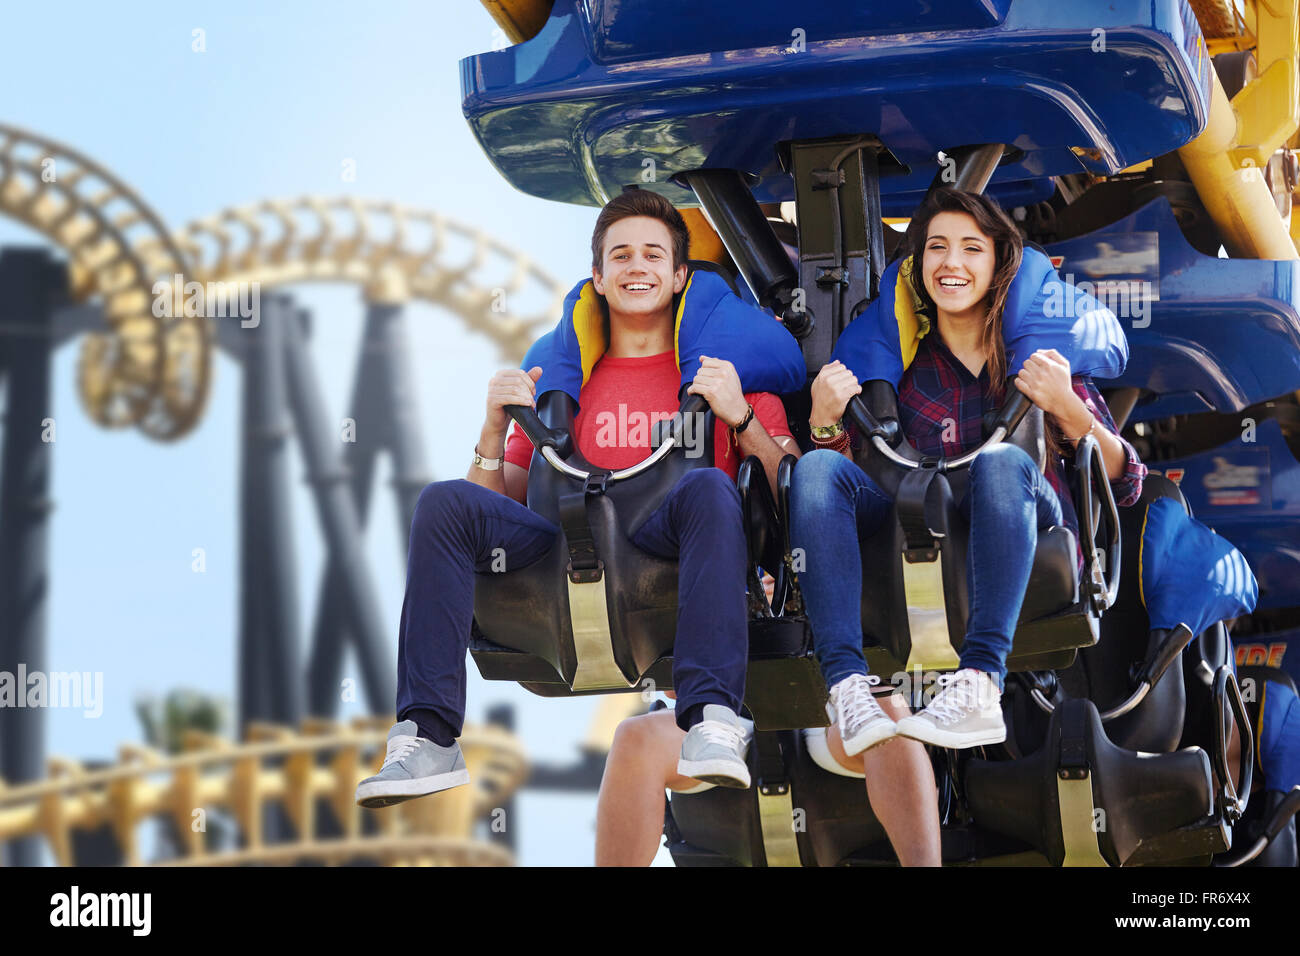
(530, 423)
(1014, 409)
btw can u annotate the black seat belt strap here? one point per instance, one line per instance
(910, 504)
(584, 562)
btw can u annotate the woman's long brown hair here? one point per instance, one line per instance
(1007, 249)
(1007, 246)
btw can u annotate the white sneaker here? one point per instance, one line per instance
(966, 713)
(853, 709)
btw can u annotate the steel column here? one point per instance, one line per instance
(269, 682)
(31, 285)
(337, 512)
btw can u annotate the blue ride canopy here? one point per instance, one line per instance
(710, 320)
(1278, 743)
(573, 113)
(1042, 312)
(1188, 574)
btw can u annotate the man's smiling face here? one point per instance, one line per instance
(637, 277)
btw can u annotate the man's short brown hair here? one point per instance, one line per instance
(640, 202)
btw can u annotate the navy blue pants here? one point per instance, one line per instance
(454, 534)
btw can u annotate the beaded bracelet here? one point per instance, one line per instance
(744, 422)
(838, 443)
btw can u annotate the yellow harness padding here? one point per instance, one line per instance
(913, 323)
(1142, 540)
(589, 327)
(677, 323)
(1259, 721)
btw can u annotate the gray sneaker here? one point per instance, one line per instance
(413, 767)
(714, 749)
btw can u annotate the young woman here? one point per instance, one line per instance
(962, 254)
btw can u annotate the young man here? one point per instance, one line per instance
(639, 253)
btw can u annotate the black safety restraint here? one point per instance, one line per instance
(585, 566)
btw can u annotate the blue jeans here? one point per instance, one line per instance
(834, 503)
(458, 524)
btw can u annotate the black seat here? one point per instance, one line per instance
(795, 814)
(914, 599)
(524, 621)
(784, 689)
(519, 636)
(1261, 823)
(1214, 705)
(1081, 800)
(1053, 621)
(1162, 804)
(1262, 810)
(1106, 673)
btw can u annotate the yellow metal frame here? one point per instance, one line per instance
(1236, 196)
(154, 371)
(1268, 108)
(1227, 161)
(214, 772)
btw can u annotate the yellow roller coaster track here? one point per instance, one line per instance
(154, 371)
(144, 369)
(275, 766)
(394, 252)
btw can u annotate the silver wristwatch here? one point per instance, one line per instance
(488, 464)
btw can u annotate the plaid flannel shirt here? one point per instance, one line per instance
(941, 406)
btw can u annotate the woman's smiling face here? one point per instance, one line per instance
(958, 264)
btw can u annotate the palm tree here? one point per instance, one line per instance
(164, 725)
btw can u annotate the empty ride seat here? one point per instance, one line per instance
(1082, 801)
(1153, 807)
(1269, 694)
(1105, 673)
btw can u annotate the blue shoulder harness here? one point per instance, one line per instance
(1188, 574)
(1042, 312)
(711, 320)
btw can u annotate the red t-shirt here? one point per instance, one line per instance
(623, 399)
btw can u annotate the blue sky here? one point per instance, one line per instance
(281, 97)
